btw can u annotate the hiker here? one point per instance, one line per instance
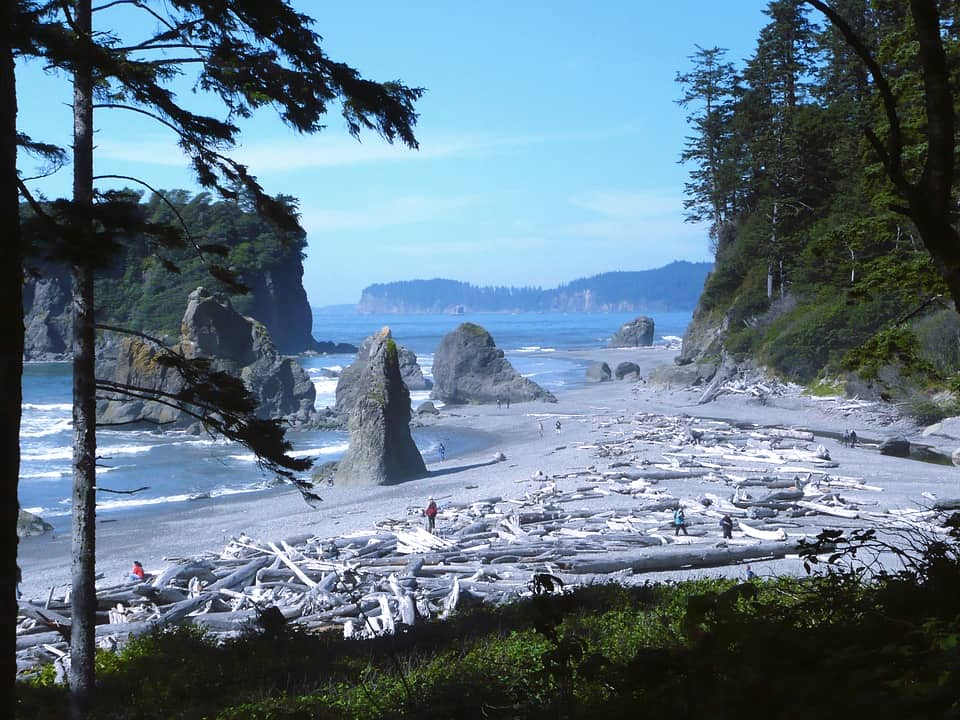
(726, 524)
(443, 452)
(540, 427)
(845, 438)
(751, 575)
(508, 402)
(431, 513)
(679, 522)
(853, 438)
(558, 427)
(499, 403)
(136, 573)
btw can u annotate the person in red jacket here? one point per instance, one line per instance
(137, 573)
(431, 513)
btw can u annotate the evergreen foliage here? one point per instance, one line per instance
(673, 287)
(819, 264)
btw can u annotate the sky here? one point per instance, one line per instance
(549, 140)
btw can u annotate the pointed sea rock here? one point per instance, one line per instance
(468, 367)
(381, 449)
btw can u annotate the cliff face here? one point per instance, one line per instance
(47, 315)
(278, 300)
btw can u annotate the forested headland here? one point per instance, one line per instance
(138, 290)
(812, 179)
(674, 287)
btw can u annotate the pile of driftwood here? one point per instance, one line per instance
(576, 526)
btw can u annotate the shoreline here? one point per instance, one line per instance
(160, 534)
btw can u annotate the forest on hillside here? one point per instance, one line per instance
(675, 286)
(820, 270)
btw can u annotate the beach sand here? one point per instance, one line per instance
(159, 536)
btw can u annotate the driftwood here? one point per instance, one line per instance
(369, 582)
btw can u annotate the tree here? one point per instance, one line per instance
(11, 359)
(710, 85)
(248, 53)
(929, 193)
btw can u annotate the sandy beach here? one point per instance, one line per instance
(159, 536)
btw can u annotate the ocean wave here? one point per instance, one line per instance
(60, 453)
(127, 503)
(47, 407)
(55, 474)
(57, 427)
(124, 450)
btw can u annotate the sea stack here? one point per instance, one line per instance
(348, 383)
(636, 333)
(469, 368)
(382, 451)
(241, 346)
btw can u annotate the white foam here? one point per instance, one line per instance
(57, 427)
(47, 407)
(41, 475)
(124, 450)
(61, 453)
(317, 452)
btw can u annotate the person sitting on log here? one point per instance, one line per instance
(726, 524)
(137, 574)
(679, 522)
(431, 513)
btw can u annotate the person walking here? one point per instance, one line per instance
(443, 452)
(431, 513)
(726, 524)
(558, 427)
(679, 522)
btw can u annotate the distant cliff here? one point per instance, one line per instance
(673, 287)
(137, 292)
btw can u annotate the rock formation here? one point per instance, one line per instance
(627, 371)
(636, 333)
(235, 344)
(598, 372)
(469, 368)
(48, 321)
(348, 383)
(29, 525)
(381, 450)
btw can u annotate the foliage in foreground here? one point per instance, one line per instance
(832, 645)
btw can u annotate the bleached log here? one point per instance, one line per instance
(759, 534)
(825, 509)
(676, 557)
(285, 559)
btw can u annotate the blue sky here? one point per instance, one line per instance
(549, 140)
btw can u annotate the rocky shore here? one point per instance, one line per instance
(587, 416)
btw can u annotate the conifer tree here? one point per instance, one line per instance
(247, 53)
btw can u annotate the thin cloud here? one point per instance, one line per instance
(404, 210)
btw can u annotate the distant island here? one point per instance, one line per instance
(674, 287)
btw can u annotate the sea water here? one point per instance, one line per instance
(150, 467)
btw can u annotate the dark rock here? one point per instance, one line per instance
(627, 371)
(381, 449)
(427, 408)
(469, 368)
(234, 344)
(48, 319)
(897, 447)
(30, 525)
(325, 347)
(636, 333)
(347, 385)
(598, 372)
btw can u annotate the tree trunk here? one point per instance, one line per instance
(11, 359)
(83, 592)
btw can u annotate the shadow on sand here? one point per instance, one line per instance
(459, 468)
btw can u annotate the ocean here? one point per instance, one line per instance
(176, 467)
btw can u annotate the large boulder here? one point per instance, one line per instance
(598, 372)
(381, 450)
(348, 383)
(636, 333)
(469, 368)
(29, 525)
(896, 447)
(238, 345)
(627, 371)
